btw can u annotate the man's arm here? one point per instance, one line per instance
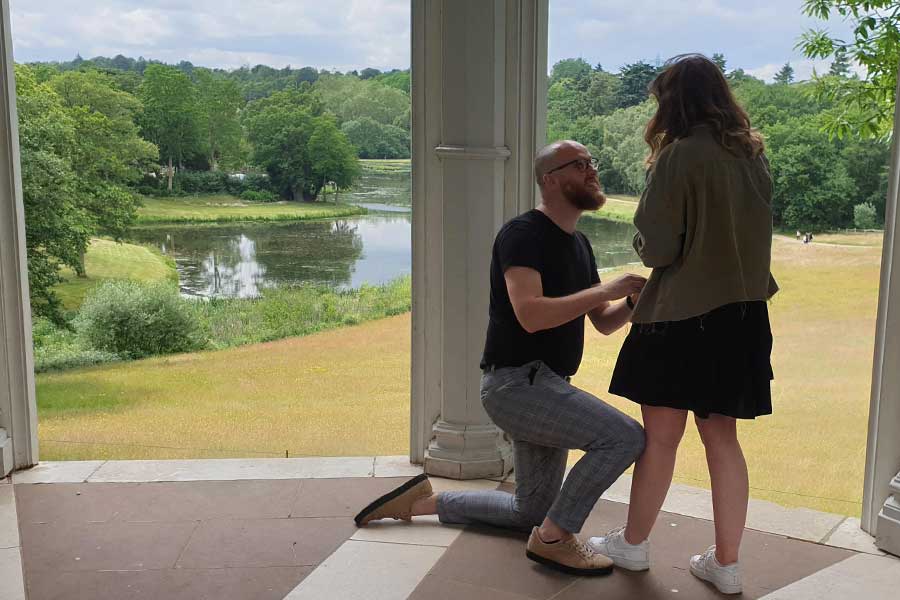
(537, 312)
(608, 318)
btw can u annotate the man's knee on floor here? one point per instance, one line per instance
(528, 515)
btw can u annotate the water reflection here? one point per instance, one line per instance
(241, 260)
(225, 277)
(610, 240)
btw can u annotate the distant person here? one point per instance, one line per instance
(701, 340)
(544, 281)
(805, 238)
(799, 235)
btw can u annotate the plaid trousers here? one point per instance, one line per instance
(546, 416)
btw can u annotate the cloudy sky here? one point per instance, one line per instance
(757, 36)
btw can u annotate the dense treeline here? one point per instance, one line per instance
(372, 108)
(819, 179)
(94, 134)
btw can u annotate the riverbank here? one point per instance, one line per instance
(346, 392)
(107, 259)
(224, 209)
(618, 208)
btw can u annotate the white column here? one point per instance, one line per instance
(18, 412)
(478, 85)
(881, 495)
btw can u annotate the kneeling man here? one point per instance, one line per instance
(544, 281)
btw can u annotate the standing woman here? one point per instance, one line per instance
(700, 339)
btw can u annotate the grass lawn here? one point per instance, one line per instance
(200, 209)
(851, 238)
(106, 259)
(372, 165)
(617, 208)
(346, 392)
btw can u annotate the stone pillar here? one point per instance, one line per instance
(881, 509)
(478, 91)
(18, 412)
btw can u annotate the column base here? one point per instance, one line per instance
(6, 454)
(888, 528)
(468, 452)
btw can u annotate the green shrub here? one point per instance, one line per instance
(865, 216)
(59, 348)
(135, 320)
(258, 196)
(298, 310)
(202, 182)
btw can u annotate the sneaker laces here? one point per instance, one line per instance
(710, 554)
(582, 549)
(617, 532)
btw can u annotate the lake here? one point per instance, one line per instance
(242, 259)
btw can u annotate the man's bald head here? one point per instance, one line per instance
(549, 157)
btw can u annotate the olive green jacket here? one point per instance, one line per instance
(705, 228)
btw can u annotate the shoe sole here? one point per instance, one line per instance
(630, 565)
(567, 569)
(626, 563)
(725, 589)
(379, 502)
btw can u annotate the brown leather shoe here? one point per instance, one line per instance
(396, 504)
(571, 556)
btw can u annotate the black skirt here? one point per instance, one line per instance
(718, 362)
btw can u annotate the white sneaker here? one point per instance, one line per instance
(634, 557)
(726, 578)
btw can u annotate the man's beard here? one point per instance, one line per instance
(583, 198)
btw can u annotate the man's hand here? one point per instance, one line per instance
(623, 285)
(635, 298)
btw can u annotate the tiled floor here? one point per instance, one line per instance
(485, 563)
(190, 540)
(207, 529)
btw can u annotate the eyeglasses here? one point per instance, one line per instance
(581, 164)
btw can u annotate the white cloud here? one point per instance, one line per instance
(803, 69)
(353, 34)
(222, 33)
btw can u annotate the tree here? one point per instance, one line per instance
(622, 149)
(307, 74)
(719, 59)
(768, 105)
(812, 188)
(350, 98)
(636, 79)
(58, 228)
(396, 79)
(369, 73)
(603, 92)
(570, 68)
(864, 106)
(785, 75)
(108, 153)
(281, 129)
(867, 164)
(170, 114)
(376, 140)
(334, 157)
(840, 66)
(219, 101)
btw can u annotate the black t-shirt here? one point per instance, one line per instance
(566, 264)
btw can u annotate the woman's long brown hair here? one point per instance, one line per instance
(693, 91)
